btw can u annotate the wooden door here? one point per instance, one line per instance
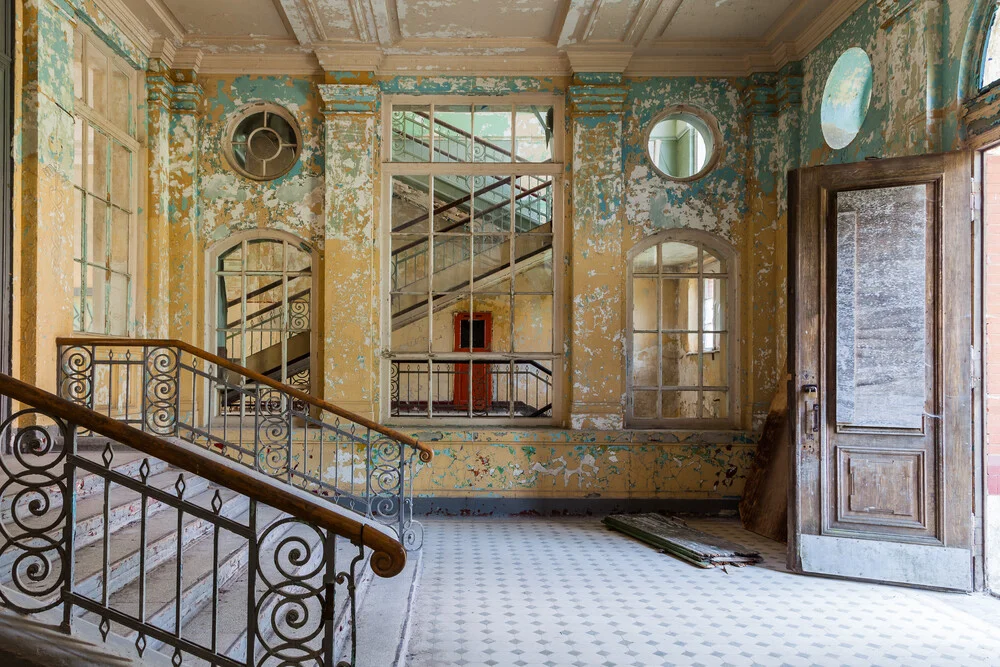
(880, 317)
(473, 334)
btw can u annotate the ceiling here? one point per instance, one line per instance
(545, 37)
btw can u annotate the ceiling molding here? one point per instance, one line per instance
(188, 58)
(554, 65)
(128, 23)
(356, 59)
(177, 31)
(164, 50)
(302, 64)
(829, 20)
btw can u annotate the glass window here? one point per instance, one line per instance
(105, 182)
(991, 54)
(679, 368)
(471, 331)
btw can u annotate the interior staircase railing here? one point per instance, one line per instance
(291, 540)
(172, 389)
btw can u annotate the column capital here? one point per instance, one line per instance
(597, 94)
(174, 89)
(349, 98)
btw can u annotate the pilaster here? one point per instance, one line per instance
(350, 274)
(47, 195)
(597, 103)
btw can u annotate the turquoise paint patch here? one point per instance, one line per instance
(846, 98)
(466, 85)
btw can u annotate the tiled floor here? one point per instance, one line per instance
(569, 592)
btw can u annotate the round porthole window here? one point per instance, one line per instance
(846, 97)
(263, 141)
(683, 143)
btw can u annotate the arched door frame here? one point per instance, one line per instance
(216, 250)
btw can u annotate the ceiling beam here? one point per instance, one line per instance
(303, 17)
(386, 21)
(577, 16)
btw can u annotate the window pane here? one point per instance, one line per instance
(680, 304)
(96, 227)
(409, 387)
(410, 204)
(533, 271)
(452, 387)
(680, 361)
(452, 271)
(118, 305)
(712, 264)
(97, 80)
(991, 55)
(121, 176)
(532, 388)
(491, 206)
(410, 263)
(644, 404)
(493, 134)
(411, 133)
(534, 133)
(95, 299)
(491, 261)
(452, 204)
(120, 226)
(452, 133)
(714, 311)
(77, 224)
(533, 323)
(715, 405)
(78, 67)
(715, 363)
(679, 257)
(680, 404)
(298, 258)
(79, 151)
(644, 304)
(645, 262)
(645, 372)
(533, 195)
(265, 255)
(97, 163)
(120, 101)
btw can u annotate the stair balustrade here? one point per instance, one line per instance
(170, 548)
(172, 389)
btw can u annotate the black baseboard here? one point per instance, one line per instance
(501, 507)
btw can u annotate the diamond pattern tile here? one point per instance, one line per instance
(567, 592)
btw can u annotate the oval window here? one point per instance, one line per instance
(683, 143)
(263, 141)
(846, 97)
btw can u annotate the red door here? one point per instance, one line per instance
(473, 334)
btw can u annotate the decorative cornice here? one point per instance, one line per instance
(365, 59)
(177, 90)
(594, 94)
(128, 23)
(188, 59)
(588, 59)
(349, 98)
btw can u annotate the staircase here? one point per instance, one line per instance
(165, 528)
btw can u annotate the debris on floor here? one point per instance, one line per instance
(677, 539)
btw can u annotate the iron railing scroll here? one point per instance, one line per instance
(172, 389)
(299, 556)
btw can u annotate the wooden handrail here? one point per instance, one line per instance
(388, 555)
(425, 452)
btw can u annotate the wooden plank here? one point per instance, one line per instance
(764, 505)
(678, 539)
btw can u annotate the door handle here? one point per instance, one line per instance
(811, 421)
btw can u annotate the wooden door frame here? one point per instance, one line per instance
(955, 355)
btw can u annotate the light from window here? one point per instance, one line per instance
(104, 177)
(471, 262)
(679, 368)
(991, 54)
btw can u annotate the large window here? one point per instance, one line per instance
(105, 178)
(472, 231)
(991, 54)
(682, 331)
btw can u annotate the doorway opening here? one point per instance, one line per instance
(473, 333)
(990, 506)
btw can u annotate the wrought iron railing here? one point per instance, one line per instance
(267, 326)
(486, 388)
(170, 388)
(299, 559)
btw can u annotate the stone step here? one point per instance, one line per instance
(161, 544)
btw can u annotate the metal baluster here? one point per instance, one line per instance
(252, 563)
(179, 486)
(106, 555)
(217, 508)
(144, 503)
(69, 529)
(128, 378)
(330, 598)
(111, 379)
(177, 399)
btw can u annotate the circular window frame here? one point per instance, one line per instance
(823, 100)
(711, 123)
(242, 114)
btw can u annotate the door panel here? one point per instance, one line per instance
(880, 334)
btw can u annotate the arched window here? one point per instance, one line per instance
(682, 331)
(263, 297)
(991, 54)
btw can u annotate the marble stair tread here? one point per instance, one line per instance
(161, 529)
